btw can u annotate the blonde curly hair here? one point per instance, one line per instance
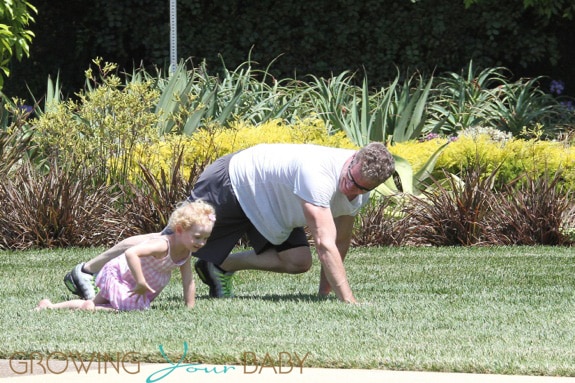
(189, 213)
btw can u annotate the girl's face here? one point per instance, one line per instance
(195, 237)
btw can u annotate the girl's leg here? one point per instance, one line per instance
(98, 303)
(73, 304)
(101, 303)
(95, 264)
(80, 280)
(43, 304)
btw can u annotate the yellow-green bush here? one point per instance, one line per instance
(514, 156)
(106, 123)
(207, 144)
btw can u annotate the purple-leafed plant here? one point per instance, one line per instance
(453, 211)
(55, 209)
(381, 223)
(533, 211)
(153, 198)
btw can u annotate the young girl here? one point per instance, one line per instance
(134, 279)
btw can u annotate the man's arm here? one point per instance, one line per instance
(321, 224)
(344, 227)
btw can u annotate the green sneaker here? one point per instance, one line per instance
(219, 282)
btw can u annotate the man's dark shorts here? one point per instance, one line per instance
(214, 186)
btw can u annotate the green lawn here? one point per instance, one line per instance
(488, 310)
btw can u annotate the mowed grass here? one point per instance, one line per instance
(508, 310)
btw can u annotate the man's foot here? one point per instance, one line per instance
(81, 283)
(220, 282)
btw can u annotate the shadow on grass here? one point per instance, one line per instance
(267, 297)
(286, 297)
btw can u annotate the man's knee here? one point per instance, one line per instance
(300, 267)
(297, 260)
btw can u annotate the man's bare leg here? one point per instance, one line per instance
(292, 261)
(219, 278)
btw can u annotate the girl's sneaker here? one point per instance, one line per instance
(81, 283)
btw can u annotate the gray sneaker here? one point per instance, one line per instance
(81, 283)
(219, 282)
(69, 282)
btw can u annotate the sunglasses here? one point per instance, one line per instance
(350, 176)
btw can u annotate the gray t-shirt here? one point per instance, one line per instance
(270, 180)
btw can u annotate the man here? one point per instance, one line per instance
(270, 192)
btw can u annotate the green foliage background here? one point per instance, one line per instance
(320, 37)
(117, 156)
(15, 37)
(512, 157)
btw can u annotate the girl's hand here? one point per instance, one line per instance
(141, 289)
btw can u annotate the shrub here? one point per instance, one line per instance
(381, 223)
(468, 211)
(460, 100)
(514, 157)
(534, 212)
(108, 136)
(454, 212)
(56, 209)
(106, 122)
(154, 197)
(15, 137)
(242, 135)
(214, 141)
(569, 223)
(417, 153)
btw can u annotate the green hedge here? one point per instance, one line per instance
(319, 37)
